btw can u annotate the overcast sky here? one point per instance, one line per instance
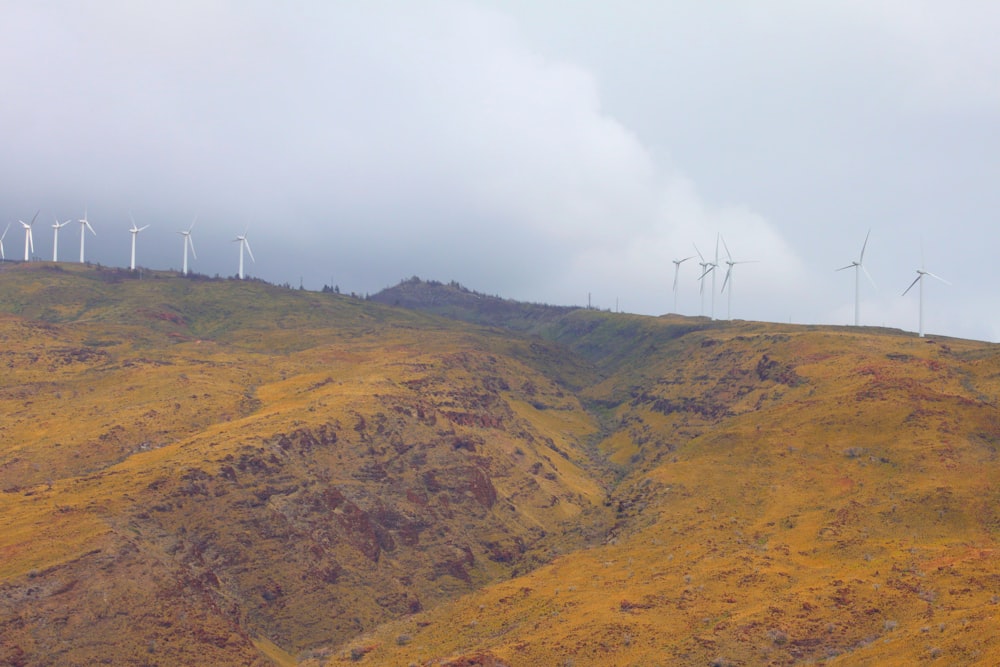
(541, 150)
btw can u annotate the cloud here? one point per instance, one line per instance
(522, 149)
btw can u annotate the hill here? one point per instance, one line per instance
(454, 301)
(198, 471)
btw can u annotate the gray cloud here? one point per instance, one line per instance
(542, 151)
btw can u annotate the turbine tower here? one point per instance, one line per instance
(84, 226)
(29, 242)
(188, 243)
(706, 267)
(55, 238)
(715, 265)
(920, 279)
(677, 270)
(3, 257)
(244, 243)
(859, 266)
(135, 232)
(728, 280)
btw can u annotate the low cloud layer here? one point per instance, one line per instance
(529, 150)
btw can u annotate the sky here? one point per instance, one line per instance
(544, 150)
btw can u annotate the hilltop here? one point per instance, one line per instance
(225, 472)
(454, 301)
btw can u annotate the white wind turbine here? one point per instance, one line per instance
(3, 257)
(920, 279)
(715, 265)
(710, 267)
(677, 270)
(244, 243)
(84, 226)
(729, 279)
(29, 242)
(55, 238)
(135, 232)
(188, 243)
(859, 266)
(706, 268)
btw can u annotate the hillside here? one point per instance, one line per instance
(457, 302)
(222, 472)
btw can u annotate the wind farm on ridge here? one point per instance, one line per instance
(706, 266)
(134, 230)
(710, 266)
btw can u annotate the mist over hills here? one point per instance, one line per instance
(221, 472)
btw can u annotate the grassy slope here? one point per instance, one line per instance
(290, 473)
(831, 502)
(232, 473)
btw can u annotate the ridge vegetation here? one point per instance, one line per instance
(226, 472)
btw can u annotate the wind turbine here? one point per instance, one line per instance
(677, 270)
(859, 266)
(28, 240)
(920, 279)
(706, 268)
(710, 267)
(728, 280)
(715, 265)
(244, 243)
(188, 243)
(135, 232)
(84, 226)
(55, 238)
(3, 257)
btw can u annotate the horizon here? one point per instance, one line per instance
(534, 149)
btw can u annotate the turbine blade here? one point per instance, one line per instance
(937, 277)
(4, 232)
(190, 242)
(87, 222)
(726, 247)
(726, 280)
(700, 256)
(863, 246)
(34, 216)
(249, 251)
(868, 276)
(915, 281)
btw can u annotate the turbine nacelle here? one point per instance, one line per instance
(244, 244)
(84, 226)
(188, 243)
(29, 241)
(859, 267)
(921, 274)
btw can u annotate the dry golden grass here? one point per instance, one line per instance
(845, 514)
(213, 472)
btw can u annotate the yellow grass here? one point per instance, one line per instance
(293, 477)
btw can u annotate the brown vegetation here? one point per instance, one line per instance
(213, 472)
